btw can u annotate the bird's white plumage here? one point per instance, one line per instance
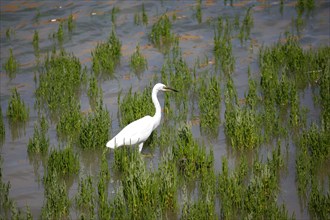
(137, 132)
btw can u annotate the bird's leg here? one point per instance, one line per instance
(140, 147)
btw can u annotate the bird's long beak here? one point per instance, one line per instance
(170, 89)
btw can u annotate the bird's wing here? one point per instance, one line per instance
(136, 132)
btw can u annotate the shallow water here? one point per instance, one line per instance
(93, 24)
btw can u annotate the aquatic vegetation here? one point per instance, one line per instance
(134, 106)
(190, 158)
(2, 127)
(17, 111)
(70, 23)
(247, 24)
(95, 127)
(210, 104)
(35, 42)
(10, 32)
(12, 65)
(39, 143)
(161, 35)
(255, 196)
(93, 91)
(5, 201)
(114, 12)
(85, 198)
(137, 61)
(303, 5)
(63, 72)
(60, 33)
(106, 55)
(168, 184)
(199, 11)
(62, 162)
(223, 51)
(318, 203)
(70, 122)
(56, 199)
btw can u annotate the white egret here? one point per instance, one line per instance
(137, 132)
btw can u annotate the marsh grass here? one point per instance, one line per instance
(85, 198)
(35, 43)
(39, 143)
(17, 111)
(11, 65)
(2, 127)
(141, 18)
(190, 158)
(94, 132)
(5, 201)
(135, 106)
(199, 11)
(106, 55)
(70, 122)
(114, 12)
(70, 23)
(161, 35)
(63, 72)
(223, 51)
(138, 62)
(210, 105)
(56, 199)
(247, 25)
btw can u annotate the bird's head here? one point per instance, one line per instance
(162, 87)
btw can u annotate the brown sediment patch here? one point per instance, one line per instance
(31, 4)
(146, 47)
(195, 121)
(241, 3)
(11, 7)
(86, 111)
(187, 53)
(23, 85)
(209, 2)
(86, 60)
(189, 37)
(127, 76)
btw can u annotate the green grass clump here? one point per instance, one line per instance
(135, 106)
(56, 199)
(2, 127)
(209, 105)
(64, 162)
(199, 11)
(140, 190)
(223, 49)
(17, 111)
(85, 198)
(246, 26)
(35, 42)
(70, 23)
(12, 65)
(114, 12)
(161, 35)
(314, 151)
(5, 201)
(137, 61)
(106, 55)
(168, 184)
(141, 18)
(95, 128)
(59, 82)
(190, 158)
(39, 143)
(255, 196)
(70, 122)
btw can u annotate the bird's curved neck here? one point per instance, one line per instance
(157, 105)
